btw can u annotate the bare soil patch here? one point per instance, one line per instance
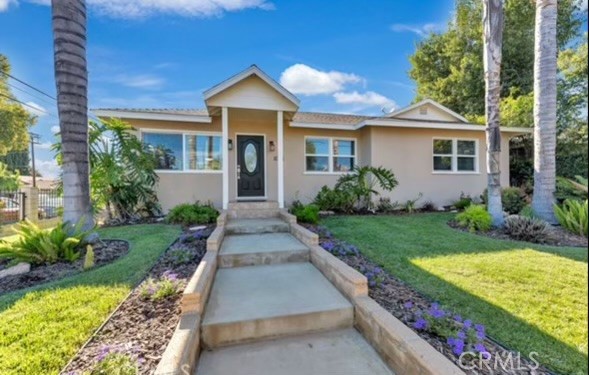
(105, 252)
(146, 326)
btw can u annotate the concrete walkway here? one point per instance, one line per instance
(271, 312)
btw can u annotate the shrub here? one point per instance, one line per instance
(524, 228)
(40, 246)
(475, 218)
(429, 206)
(361, 183)
(513, 199)
(188, 214)
(573, 215)
(305, 214)
(117, 360)
(156, 290)
(410, 206)
(464, 202)
(385, 205)
(180, 256)
(567, 189)
(89, 258)
(334, 200)
(528, 211)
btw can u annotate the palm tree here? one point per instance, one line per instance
(493, 21)
(71, 77)
(545, 61)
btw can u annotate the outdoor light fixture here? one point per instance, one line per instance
(272, 146)
(230, 144)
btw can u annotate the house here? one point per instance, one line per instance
(251, 142)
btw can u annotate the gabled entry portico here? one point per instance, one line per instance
(252, 107)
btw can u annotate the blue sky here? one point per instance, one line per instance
(337, 56)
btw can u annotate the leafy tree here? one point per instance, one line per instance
(8, 180)
(14, 119)
(18, 161)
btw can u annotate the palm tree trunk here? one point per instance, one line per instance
(545, 110)
(71, 77)
(493, 21)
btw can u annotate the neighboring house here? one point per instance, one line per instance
(252, 143)
(42, 182)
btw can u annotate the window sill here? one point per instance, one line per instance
(456, 173)
(325, 173)
(173, 171)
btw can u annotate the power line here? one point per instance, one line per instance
(28, 93)
(28, 85)
(29, 106)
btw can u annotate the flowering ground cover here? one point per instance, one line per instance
(42, 327)
(530, 298)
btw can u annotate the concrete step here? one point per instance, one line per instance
(253, 303)
(256, 226)
(336, 352)
(253, 205)
(261, 249)
(253, 213)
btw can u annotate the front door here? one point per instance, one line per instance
(250, 166)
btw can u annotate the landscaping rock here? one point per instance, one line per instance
(19, 269)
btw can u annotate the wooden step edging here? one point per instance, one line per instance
(404, 351)
(183, 350)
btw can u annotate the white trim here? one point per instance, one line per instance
(393, 123)
(280, 140)
(432, 102)
(454, 156)
(330, 156)
(252, 70)
(225, 153)
(149, 115)
(265, 151)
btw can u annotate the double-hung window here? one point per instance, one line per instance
(329, 155)
(455, 156)
(184, 151)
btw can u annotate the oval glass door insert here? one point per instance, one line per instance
(250, 156)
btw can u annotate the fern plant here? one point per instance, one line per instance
(363, 181)
(45, 246)
(573, 216)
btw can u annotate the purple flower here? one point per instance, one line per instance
(436, 312)
(461, 335)
(458, 346)
(328, 245)
(103, 352)
(480, 348)
(468, 324)
(420, 324)
(457, 318)
(408, 305)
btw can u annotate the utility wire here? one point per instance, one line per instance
(28, 105)
(45, 100)
(29, 85)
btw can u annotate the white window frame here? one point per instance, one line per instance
(183, 133)
(330, 156)
(455, 155)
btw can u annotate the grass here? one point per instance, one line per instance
(41, 328)
(532, 298)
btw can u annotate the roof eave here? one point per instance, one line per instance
(137, 115)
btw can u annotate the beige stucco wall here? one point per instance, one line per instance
(408, 152)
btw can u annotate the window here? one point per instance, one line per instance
(455, 155)
(185, 152)
(329, 155)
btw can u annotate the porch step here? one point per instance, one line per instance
(261, 249)
(253, 210)
(253, 303)
(256, 226)
(252, 205)
(337, 352)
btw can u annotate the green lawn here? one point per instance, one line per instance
(42, 328)
(532, 298)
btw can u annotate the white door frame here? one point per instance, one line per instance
(265, 196)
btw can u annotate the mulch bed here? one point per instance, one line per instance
(557, 236)
(144, 325)
(392, 294)
(105, 252)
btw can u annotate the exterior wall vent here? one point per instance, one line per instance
(423, 110)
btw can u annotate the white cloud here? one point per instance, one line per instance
(141, 81)
(302, 79)
(582, 4)
(4, 4)
(188, 8)
(44, 146)
(55, 129)
(35, 108)
(48, 168)
(365, 100)
(421, 30)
